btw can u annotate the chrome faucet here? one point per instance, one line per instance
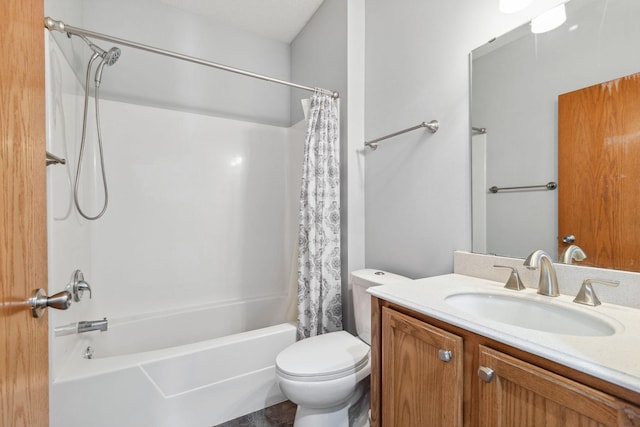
(92, 325)
(572, 252)
(548, 283)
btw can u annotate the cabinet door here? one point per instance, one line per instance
(421, 373)
(516, 393)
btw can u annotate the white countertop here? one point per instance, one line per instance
(613, 358)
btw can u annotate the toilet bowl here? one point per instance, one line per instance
(327, 375)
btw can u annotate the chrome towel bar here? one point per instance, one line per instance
(432, 127)
(549, 186)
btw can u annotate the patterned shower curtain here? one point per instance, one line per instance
(319, 285)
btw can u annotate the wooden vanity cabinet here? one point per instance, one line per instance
(422, 372)
(521, 394)
(411, 384)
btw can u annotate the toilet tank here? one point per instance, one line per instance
(360, 281)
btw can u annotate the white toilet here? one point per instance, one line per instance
(324, 374)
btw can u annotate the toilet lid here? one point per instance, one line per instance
(324, 355)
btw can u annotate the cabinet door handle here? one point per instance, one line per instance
(444, 355)
(485, 373)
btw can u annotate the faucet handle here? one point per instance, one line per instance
(78, 286)
(513, 282)
(586, 294)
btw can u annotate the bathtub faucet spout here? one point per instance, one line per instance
(92, 325)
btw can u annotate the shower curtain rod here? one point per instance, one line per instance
(52, 24)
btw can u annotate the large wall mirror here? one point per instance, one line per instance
(516, 84)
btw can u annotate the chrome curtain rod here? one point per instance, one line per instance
(52, 24)
(432, 127)
(549, 186)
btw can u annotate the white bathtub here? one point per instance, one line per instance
(186, 368)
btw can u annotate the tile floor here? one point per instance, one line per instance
(280, 415)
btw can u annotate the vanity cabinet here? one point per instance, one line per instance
(426, 372)
(517, 393)
(422, 371)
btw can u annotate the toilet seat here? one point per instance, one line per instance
(323, 357)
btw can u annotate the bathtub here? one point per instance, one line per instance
(188, 368)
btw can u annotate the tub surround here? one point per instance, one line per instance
(604, 357)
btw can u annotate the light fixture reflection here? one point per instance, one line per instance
(236, 161)
(549, 20)
(513, 6)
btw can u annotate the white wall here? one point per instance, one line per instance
(197, 210)
(418, 185)
(151, 79)
(516, 89)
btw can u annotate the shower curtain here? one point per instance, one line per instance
(319, 285)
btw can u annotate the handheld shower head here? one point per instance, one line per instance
(108, 58)
(111, 56)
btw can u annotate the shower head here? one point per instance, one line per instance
(109, 57)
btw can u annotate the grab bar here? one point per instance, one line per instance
(432, 127)
(549, 186)
(52, 159)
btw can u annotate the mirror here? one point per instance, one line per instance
(515, 83)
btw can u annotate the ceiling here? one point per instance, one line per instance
(278, 20)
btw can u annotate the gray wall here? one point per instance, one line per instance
(321, 55)
(417, 69)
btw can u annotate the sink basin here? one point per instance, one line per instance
(531, 314)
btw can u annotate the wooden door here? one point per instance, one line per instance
(24, 373)
(599, 172)
(418, 387)
(524, 395)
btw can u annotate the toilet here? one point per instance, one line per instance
(324, 374)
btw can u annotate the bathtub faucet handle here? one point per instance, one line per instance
(79, 286)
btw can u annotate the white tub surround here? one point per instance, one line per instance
(605, 357)
(202, 210)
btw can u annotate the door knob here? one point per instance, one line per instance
(39, 301)
(569, 238)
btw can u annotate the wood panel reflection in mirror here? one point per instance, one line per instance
(599, 171)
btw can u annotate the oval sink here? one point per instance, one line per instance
(531, 314)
